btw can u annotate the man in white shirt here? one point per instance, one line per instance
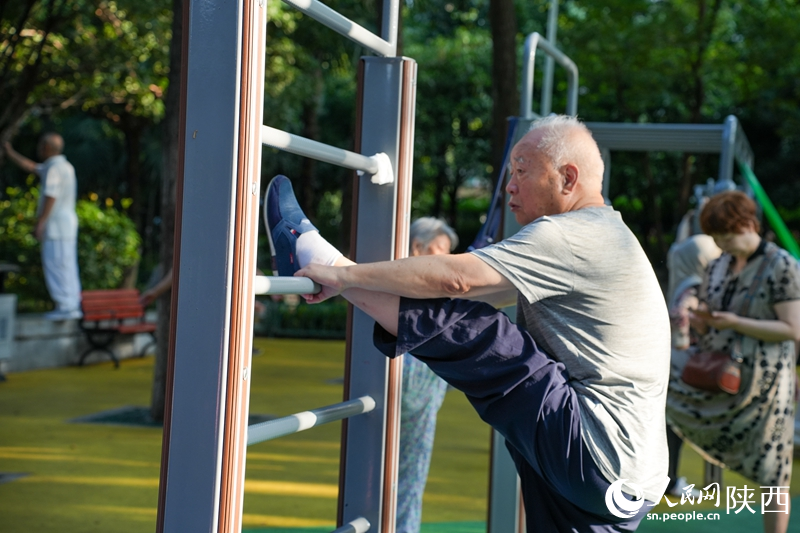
(57, 223)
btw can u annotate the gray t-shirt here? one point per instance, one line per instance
(590, 299)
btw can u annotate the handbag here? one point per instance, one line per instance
(713, 372)
(721, 371)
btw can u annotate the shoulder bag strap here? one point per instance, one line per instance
(769, 257)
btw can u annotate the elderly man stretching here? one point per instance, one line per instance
(578, 390)
(57, 224)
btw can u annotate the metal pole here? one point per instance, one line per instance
(526, 91)
(389, 27)
(534, 41)
(204, 456)
(359, 525)
(316, 150)
(547, 83)
(344, 26)
(308, 419)
(285, 285)
(726, 156)
(364, 446)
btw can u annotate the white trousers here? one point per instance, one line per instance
(60, 263)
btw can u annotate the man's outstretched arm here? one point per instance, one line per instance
(432, 276)
(20, 160)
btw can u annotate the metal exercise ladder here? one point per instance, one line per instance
(222, 130)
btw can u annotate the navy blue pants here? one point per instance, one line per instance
(523, 394)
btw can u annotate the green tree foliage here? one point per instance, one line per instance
(639, 60)
(108, 246)
(453, 116)
(687, 61)
(56, 54)
(106, 59)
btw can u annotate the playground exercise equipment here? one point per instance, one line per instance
(727, 139)
(221, 137)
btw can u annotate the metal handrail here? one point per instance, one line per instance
(344, 26)
(322, 152)
(547, 83)
(285, 285)
(534, 41)
(308, 419)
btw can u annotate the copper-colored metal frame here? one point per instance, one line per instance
(234, 438)
(405, 164)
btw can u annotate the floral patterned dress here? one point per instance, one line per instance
(751, 432)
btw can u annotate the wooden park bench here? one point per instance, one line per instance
(108, 313)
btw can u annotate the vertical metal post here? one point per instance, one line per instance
(726, 156)
(207, 413)
(547, 83)
(526, 91)
(370, 440)
(506, 513)
(605, 153)
(505, 503)
(390, 24)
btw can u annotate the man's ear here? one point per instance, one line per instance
(570, 175)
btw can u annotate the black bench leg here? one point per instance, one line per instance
(149, 344)
(102, 349)
(100, 340)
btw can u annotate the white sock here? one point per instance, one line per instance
(313, 248)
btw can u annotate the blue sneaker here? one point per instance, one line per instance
(285, 222)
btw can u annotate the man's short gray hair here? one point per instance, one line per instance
(425, 229)
(557, 130)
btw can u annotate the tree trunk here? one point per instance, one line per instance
(169, 176)
(706, 21)
(505, 96)
(133, 169)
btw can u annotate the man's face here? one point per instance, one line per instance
(534, 184)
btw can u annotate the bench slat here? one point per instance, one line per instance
(144, 327)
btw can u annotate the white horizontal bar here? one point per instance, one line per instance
(344, 26)
(308, 419)
(317, 150)
(359, 525)
(285, 285)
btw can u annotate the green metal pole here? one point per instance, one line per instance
(781, 231)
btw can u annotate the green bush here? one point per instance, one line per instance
(108, 244)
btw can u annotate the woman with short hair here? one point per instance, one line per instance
(752, 297)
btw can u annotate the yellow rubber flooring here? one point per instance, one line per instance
(79, 477)
(90, 478)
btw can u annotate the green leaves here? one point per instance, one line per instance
(110, 55)
(108, 246)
